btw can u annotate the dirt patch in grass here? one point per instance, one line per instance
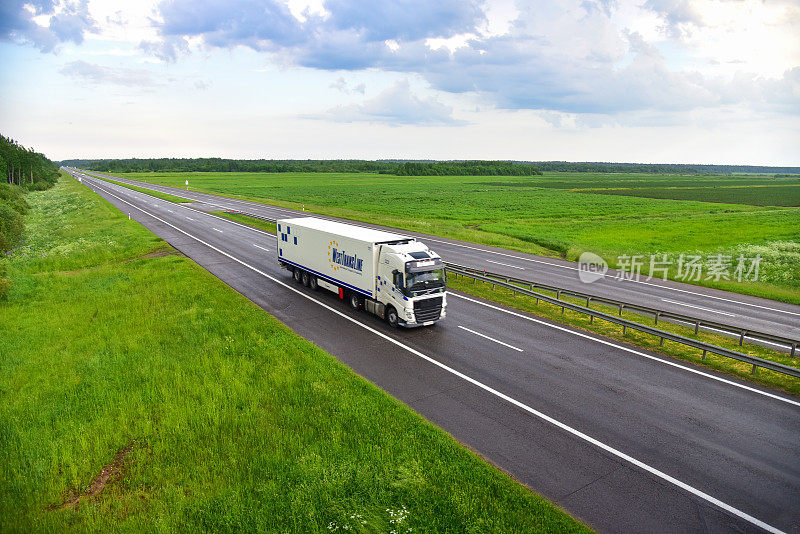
(158, 254)
(109, 474)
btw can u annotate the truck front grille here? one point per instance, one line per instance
(428, 309)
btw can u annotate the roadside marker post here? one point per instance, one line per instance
(187, 185)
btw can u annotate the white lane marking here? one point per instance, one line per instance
(170, 211)
(627, 349)
(698, 307)
(262, 248)
(490, 338)
(713, 297)
(506, 265)
(577, 433)
(228, 221)
(216, 229)
(428, 238)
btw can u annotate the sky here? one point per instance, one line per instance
(649, 81)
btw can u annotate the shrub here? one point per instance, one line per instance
(11, 227)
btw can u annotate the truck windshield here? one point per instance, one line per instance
(425, 280)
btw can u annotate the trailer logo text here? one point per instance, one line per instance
(339, 258)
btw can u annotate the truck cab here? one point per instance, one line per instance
(411, 279)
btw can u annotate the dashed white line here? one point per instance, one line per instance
(217, 230)
(577, 433)
(170, 211)
(698, 307)
(490, 338)
(428, 238)
(190, 218)
(626, 349)
(262, 248)
(506, 265)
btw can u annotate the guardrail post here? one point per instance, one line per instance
(754, 370)
(620, 309)
(562, 310)
(741, 337)
(704, 354)
(588, 300)
(794, 347)
(624, 329)
(696, 327)
(657, 314)
(558, 295)
(591, 319)
(661, 343)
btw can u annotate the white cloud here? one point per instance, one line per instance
(397, 105)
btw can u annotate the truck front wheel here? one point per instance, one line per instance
(391, 317)
(355, 301)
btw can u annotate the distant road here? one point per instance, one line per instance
(738, 310)
(622, 438)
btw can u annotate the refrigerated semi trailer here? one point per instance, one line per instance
(391, 275)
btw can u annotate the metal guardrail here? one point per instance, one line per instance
(512, 283)
(657, 314)
(662, 334)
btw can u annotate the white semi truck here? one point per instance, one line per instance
(391, 275)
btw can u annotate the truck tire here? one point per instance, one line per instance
(355, 301)
(306, 279)
(391, 317)
(312, 283)
(298, 275)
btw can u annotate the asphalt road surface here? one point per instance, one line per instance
(624, 439)
(743, 311)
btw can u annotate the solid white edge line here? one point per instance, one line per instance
(628, 349)
(506, 265)
(490, 338)
(249, 203)
(525, 407)
(697, 307)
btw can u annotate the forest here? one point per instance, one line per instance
(408, 167)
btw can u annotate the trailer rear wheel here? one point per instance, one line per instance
(312, 283)
(391, 317)
(306, 279)
(298, 275)
(355, 301)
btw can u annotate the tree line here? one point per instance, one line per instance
(228, 165)
(466, 168)
(407, 167)
(25, 167)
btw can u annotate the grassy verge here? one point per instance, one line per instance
(157, 194)
(733, 367)
(250, 221)
(558, 214)
(120, 357)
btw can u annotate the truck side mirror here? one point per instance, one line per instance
(397, 278)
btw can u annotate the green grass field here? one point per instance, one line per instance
(558, 214)
(756, 195)
(123, 363)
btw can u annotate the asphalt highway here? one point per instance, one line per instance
(622, 438)
(743, 311)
